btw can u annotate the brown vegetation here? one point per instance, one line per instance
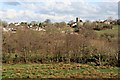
(53, 46)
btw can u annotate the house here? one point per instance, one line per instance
(40, 29)
(76, 25)
(5, 29)
(17, 24)
(13, 30)
(107, 24)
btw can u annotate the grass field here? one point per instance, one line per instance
(114, 30)
(58, 70)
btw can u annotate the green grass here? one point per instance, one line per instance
(58, 70)
(109, 70)
(114, 30)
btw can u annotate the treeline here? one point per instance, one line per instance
(53, 46)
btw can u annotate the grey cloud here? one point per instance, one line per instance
(89, 11)
(95, 10)
(12, 3)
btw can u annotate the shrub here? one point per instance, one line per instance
(53, 46)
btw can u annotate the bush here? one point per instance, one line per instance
(107, 36)
(53, 46)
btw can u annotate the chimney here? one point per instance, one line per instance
(77, 19)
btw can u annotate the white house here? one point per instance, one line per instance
(17, 24)
(40, 29)
(5, 30)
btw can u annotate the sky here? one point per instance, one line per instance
(57, 10)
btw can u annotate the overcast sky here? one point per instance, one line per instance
(57, 10)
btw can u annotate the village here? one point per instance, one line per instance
(74, 39)
(76, 26)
